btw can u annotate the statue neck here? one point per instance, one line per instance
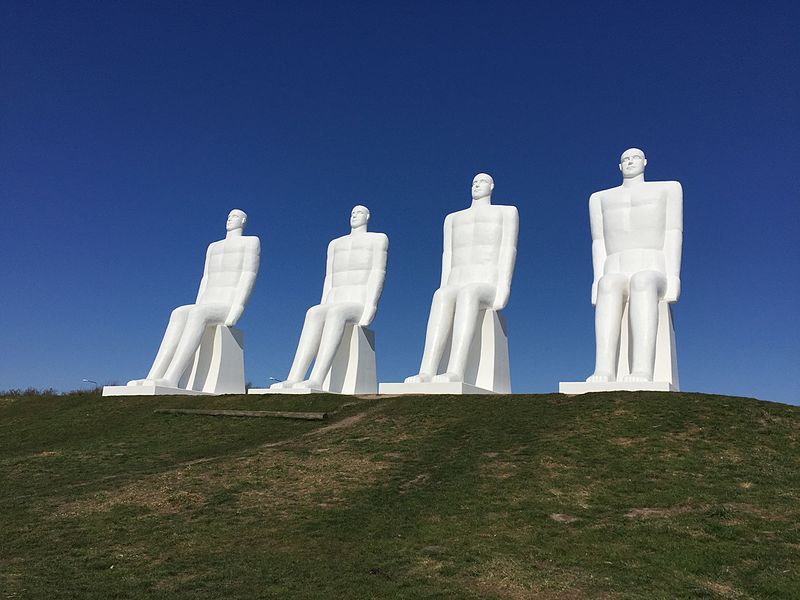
(478, 202)
(633, 181)
(236, 233)
(358, 230)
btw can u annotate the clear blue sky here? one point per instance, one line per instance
(129, 129)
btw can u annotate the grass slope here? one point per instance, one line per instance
(617, 495)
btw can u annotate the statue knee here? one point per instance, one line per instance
(468, 297)
(315, 312)
(443, 294)
(610, 285)
(644, 282)
(181, 312)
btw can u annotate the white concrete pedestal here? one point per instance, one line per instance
(217, 368)
(665, 375)
(487, 369)
(352, 371)
(455, 388)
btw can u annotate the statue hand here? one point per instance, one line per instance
(501, 298)
(673, 289)
(233, 315)
(367, 316)
(594, 294)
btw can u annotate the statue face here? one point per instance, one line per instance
(236, 220)
(632, 163)
(482, 186)
(359, 216)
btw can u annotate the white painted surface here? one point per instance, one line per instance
(584, 387)
(479, 253)
(354, 275)
(435, 388)
(148, 390)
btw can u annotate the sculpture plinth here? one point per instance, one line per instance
(487, 369)
(665, 375)
(352, 370)
(217, 368)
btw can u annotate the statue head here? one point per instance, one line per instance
(236, 220)
(482, 186)
(632, 163)
(359, 216)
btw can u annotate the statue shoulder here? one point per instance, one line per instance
(510, 211)
(379, 237)
(336, 241)
(252, 241)
(674, 186)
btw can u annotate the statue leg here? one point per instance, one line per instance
(611, 296)
(199, 317)
(647, 288)
(338, 316)
(177, 321)
(439, 323)
(471, 298)
(307, 346)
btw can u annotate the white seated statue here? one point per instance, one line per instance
(354, 276)
(228, 278)
(464, 329)
(637, 236)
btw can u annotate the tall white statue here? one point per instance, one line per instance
(228, 279)
(637, 236)
(354, 276)
(480, 248)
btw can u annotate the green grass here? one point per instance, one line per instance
(618, 495)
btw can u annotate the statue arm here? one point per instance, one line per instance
(377, 275)
(328, 283)
(447, 252)
(247, 281)
(673, 241)
(598, 243)
(204, 280)
(507, 258)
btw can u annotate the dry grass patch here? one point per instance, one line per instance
(563, 518)
(161, 494)
(722, 590)
(513, 580)
(498, 469)
(283, 481)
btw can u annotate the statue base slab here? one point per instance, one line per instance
(150, 390)
(456, 388)
(585, 387)
(261, 391)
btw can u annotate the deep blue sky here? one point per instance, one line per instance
(129, 129)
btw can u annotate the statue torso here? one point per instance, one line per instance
(634, 224)
(476, 237)
(225, 263)
(353, 260)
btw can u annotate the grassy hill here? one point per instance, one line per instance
(617, 495)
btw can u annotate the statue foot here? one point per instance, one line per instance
(136, 382)
(448, 378)
(599, 378)
(308, 384)
(637, 377)
(420, 378)
(281, 385)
